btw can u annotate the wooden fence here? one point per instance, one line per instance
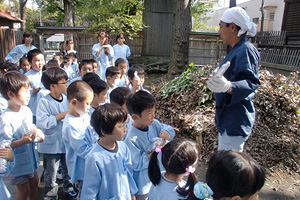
(9, 38)
(7, 42)
(287, 59)
(204, 48)
(271, 38)
(85, 42)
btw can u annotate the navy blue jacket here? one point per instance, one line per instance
(235, 113)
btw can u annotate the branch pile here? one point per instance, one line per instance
(275, 139)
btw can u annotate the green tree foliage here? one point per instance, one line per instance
(199, 9)
(53, 9)
(113, 15)
(12, 6)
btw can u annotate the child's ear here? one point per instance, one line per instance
(134, 116)
(74, 102)
(235, 198)
(10, 94)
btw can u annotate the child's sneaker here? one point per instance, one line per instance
(59, 175)
(71, 192)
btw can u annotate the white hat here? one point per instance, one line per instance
(239, 17)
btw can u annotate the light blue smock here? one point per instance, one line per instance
(103, 59)
(76, 134)
(18, 52)
(109, 174)
(47, 109)
(122, 51)
(35, 80)
(139, 142)
(165, 190)
(26, 156)
(4, 193)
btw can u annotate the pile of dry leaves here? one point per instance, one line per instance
(275, 140)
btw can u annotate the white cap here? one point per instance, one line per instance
(239, 17)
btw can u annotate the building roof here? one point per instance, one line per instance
(10, 17)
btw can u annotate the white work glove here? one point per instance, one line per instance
(218, 83)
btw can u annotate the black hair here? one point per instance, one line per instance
(90, 76)
(119, 95)
(58, 54)
(52, 64)
(25, 35)
(238, 27)
(69, 40)
(78, 90)
(131, 71)
(105, 117)
(13, 81)
(72, 55)
(120, 61)
(33, 53)
(119, 35)
(97, 85)
(140, 101)
(93, 61)
(84, 62)
(232, 173)
(177, 156)
(67, 57)
(7, 67)
(52, 76)
(22, 60)
(111, 71)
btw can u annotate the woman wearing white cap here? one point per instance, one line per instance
(235, 81)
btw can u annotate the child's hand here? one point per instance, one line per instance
(27, 138)
(61, 116)
(149, 156)
(133, 197)
(38, 135)
(7, 153)
(135, 84)
(165, 135)
(35, 90)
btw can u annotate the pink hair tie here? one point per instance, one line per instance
(158, 149)
(190, 170)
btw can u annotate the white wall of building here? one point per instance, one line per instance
(253, 10)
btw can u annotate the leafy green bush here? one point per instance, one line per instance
(194, 78)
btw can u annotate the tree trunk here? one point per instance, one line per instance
(68, 13)
(23, 13)
(181, 35)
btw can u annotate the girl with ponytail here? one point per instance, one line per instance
(179, 158)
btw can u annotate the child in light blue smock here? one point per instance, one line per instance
(145, 128)
(112, 75)
(109, 171)
(7, 154)
(118, 96)
(179, 158)
(100, 89)
(76, 132)
(121, 64)
(50, 113)
(37, 62)
(14, 126)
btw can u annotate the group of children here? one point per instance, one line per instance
(106, 139)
